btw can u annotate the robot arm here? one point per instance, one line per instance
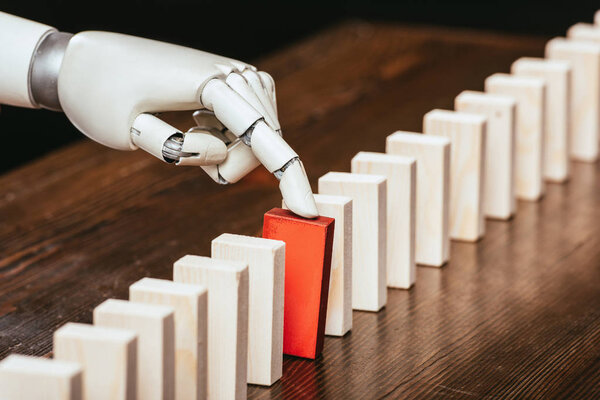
(111, 87)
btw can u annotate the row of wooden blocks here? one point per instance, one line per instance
(226, 321)
(216, 327)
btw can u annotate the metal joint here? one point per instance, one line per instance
(44, 70)
(172, 149)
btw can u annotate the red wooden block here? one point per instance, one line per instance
(308, 244)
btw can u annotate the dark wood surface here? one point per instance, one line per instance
(516, 315)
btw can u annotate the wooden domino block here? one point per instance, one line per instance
(369, 230)
(498, 184)
(339, 300)
(154, 326)
(401, 197)
(108, 358)
(584, 57)
(432, 246)
(266, 273)
(584, 32)
(530, 94)
(557, 75)
(189, 303)
(467, 133)
(227, 283)
(308, 246)
(27, 378)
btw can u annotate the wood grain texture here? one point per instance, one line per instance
(557, 75)
(108, 359)
(514, 316)
(432, 246)
(499, 199)
(369, 234)
(28, 378)
(155, 330)
(339, 301)
(400, 173)
(227, 284)
(266, 278)
(584, 57)
(530, 95)
(190, 305)
(467, 135)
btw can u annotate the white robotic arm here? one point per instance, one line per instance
(110, 86)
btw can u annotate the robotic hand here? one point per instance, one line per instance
(110, 86)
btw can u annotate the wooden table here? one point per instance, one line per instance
(516, 315)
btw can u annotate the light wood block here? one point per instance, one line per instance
(467, 133)
(227, 283)
(432, 246)
(369, 230)
(597, 18)
(339, 301)
(308, 248)
(401, 198)
(29, 378)
(584, 32)
(557, 75)
(190, 305)
(108, 358)
(266, 277)
(499, 199)
(584, 57)
(154, 326)
(530, 94)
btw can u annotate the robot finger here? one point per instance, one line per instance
(269, 84)
(279, 158)
(202, 148)
(229, 107)
(168, 144)
(263, 94)
(239, 84)
(240, 161)
(268, 147)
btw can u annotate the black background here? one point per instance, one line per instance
(248, 30)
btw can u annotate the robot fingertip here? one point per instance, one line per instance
(297, 193)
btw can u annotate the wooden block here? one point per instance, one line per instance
(339, 300)
(557, 75)
(227, 283)
(401, 197)
(584, 58)
(597, 18)
(584, 32)
(432, 246)
(266, 277)
(189, 303)
(154, 326)
(28, 378)
(108, 358)
(498, 184)
(369, 230)
(530, 94)
(308, 245)
(467, 133)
